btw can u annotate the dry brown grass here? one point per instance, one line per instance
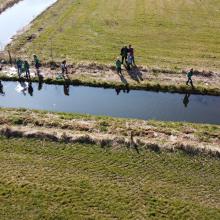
(110, 132)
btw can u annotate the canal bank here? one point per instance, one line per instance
(5, 4)
(140, 78)
(96, 74)
(138, 135)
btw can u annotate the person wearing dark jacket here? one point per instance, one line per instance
(124, 54)
(64, 68)
(27, 69)
(19, 67)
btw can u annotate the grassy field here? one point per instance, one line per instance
(167, 34)
(46, 180)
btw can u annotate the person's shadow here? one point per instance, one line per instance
(122, 78)
(135, 73)
(186, 99)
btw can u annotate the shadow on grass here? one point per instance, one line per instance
(135, 73)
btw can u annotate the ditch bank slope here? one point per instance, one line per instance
(112, 132)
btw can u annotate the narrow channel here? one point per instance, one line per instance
(110, 102)
(20, 15)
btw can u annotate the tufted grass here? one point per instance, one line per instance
(48, 180)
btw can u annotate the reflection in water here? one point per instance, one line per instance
(40, 85)
(125, 90)
(30, 89)
(117, 91)
(66, 89)
(186, 99)
(1, 89)
(22, 87)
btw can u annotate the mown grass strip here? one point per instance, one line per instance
(48, 180)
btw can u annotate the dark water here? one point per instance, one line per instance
(99, 101)
(17, 17)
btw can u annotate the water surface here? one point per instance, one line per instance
(99, 101)
(20, 15)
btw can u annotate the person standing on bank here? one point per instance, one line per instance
(124, 54)
(131, 52)
(118, 66)
(189, 76)
(64, 68)
(19, 67)
(27, 69)
(37, 64)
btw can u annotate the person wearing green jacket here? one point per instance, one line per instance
(189, 75)
(19, 67)
(37, 64)
(118, 64)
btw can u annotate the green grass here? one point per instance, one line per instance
(167, 34)
(46, 180)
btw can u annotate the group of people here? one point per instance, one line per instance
(127, 59)
(24, 66)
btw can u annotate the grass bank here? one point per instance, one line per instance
(165, 34)
(108, 132)
(140, 78)
(4, 4)
(47, 180)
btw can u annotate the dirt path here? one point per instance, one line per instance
(137, 78)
